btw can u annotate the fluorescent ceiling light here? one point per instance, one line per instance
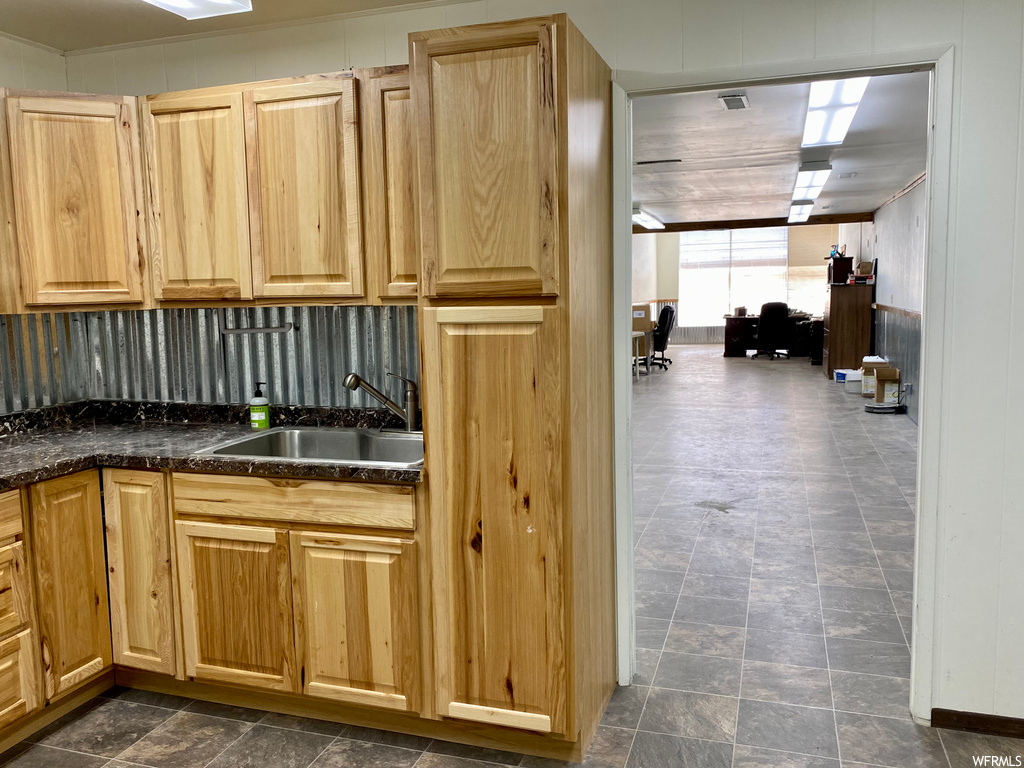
(810, 182)
(202, 9)
(646, 220)
(800, 211)
(830, 110)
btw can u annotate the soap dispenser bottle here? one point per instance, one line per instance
(259, 409)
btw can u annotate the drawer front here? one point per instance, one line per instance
(300, 501)
(10, 514)
(20, 692)
(14, 586)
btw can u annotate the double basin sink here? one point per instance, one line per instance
(328, 445)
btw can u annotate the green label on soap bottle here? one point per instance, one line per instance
(259, 416)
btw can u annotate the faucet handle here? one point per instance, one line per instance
(409, 383)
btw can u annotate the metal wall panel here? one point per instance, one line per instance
(898, 339)
(181, 355)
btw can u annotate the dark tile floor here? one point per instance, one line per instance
(774, 554)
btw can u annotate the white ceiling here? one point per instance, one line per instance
(70, 25)
(743, 164)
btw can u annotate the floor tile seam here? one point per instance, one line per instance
(828, 662)
(150, 732)
(470, 759)
(746, 629)
(235, 741)
(141, 704)
(906, 635)
(33, 745)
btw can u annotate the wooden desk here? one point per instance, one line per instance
(648, 337)
(740, 333)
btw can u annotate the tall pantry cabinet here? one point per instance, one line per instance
(513, 134)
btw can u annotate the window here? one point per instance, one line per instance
(720, 270)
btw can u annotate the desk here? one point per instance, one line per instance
(740, 333)
(637, 335)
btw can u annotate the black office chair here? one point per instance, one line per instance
(666, 322)
(771, 330)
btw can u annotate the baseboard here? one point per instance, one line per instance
(995, 725)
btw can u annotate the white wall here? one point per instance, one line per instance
(970, 625)
(899, 244)
(645, 268)
(25, 65)
(668, 265)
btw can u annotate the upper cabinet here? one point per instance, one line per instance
(195, 145)
(75, 185)
(304, 193)
(487, 127)
(389, 168)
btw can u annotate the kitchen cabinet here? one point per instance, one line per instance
(356, 618)
(139, 569)
(15, 588)
(389, 170)
(236, 604)
(494, 380)
(71, 584)
(198, 200)
(513, 139)
(848, 327)
(20, 692)
(488, 127)
(76, 183)
(304, 188)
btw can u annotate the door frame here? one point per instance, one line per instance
(935, 363)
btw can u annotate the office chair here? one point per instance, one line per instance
(666, 322)
(771, 330)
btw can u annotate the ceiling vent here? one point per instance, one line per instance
(733, 101)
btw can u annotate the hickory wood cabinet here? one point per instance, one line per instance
(255, 190)
(20, 681)
(513, 141)
(75, 188)
(74, 623)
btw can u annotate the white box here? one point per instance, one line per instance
(843, 374)
(853, 382)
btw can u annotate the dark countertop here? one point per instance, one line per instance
(43, 453)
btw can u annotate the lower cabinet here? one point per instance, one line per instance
(15, 586)
(74, 621)
(356, 618)
(139, 569)
(236, 604)
(19, 676)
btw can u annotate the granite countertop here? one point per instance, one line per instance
(62, 442)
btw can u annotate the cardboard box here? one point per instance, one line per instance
(642, 321)
(887, 385)
(868, 372)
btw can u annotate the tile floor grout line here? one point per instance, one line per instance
(746, 630)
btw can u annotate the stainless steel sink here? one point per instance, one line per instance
(329, 445)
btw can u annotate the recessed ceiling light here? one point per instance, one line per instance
(646, 220)
(830, 110)
(202, 9)
(810, 180)
(800, 211)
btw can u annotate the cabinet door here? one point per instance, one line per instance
(199, 204)
(304, 189)
(487, 128)
(389, 162)
(356, 618)
(15, 588)
(74, 622)
(236, 604)
(139, 569)
(74, 169)
(20, 692)
(494, 409)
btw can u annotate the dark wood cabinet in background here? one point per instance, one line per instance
(848, 327)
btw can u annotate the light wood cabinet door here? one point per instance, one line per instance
(15, 588)
(236, 604)
(75, 175)
(487, 134)
(20, 689)
(139, 569)
(494, 409)
(195, 147)
(304, 189)
(389, 163)
(356, 618)
(71, 584)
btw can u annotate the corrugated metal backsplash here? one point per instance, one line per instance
(180, 355)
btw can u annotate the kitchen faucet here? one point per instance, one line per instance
(411, 395)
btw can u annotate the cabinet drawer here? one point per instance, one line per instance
(10, 514)
(14, 586)
(19, 678)
(300, 501)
